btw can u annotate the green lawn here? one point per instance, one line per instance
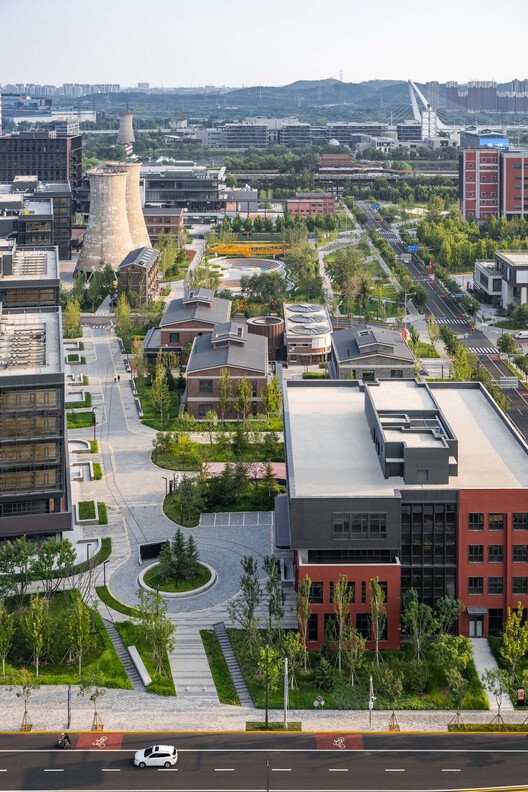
(162, 684)
(105, 596)
(172, 507)
(97, 470)
(425, 350)
(86, 510)
(342, 696)
(79, 420)
(86, 402)
(54, 668)
(153, 579)
(103, 515)
(217, 663)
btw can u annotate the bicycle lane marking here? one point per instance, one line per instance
(99, 742)
(339, 742)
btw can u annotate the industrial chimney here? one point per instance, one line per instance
(126, 131)
(107, 239)
(136, 219)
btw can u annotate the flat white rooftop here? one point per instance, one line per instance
(515, 259)
(332, 453)
(34, 264)
(30, 344)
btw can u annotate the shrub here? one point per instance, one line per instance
(98, 473)
(416, 675)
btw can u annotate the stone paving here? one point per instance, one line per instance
(133, 487)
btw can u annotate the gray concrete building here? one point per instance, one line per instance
(185, 185)
(369, 354)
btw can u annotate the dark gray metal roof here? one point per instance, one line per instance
(365, 341)
(282, 522)
(250, 352)
(205, 307)
(143, 257)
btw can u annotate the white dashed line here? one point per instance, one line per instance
(395, 769)
(338, 769)
(54, 770)
(281, 769)
(224, 769)
(110, 769)
(450, 770)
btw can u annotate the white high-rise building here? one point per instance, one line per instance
(429, 123)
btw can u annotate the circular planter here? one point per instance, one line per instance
(178, 594)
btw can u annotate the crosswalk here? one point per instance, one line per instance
(483, 350)
(447, 321)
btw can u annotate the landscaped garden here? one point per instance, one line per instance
(176, 450)
(79, 419)
(179, 569)
(234, 489)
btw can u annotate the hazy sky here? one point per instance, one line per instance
(270, 42)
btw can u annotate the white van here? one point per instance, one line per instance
(522, 334)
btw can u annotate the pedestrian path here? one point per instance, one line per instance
(484, 661)
(190, 667)
(242, 690)
(442, 320)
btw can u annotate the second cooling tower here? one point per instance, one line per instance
(136, 219)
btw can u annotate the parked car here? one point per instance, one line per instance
(156, 756)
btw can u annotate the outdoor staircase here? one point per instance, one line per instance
(244, 696)
(123, 655)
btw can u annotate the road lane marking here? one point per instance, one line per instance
(54, 770)
(281, 769)
(224, 769)
(450, 770)
(110, 769)
(395, 769)
(167, 769)
(338, 769)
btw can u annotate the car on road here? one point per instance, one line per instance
(522, 334)
(156, 756)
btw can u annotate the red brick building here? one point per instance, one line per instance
(166, 220)
(422, 485)
(228, 348)
(305, 204)
(185, 318)
(493, 183)
(137, 275)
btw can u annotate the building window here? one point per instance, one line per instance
(520, 554)
(476, 521)
(520, 521)
(341, 526)
(476, 585)
(203, 409)
(378, 526)
(317, 593)
(363, 625)
(363, 592)
(495, 554)
(359, 526)
(476, 554)
(520, 585)
(495, 585)
(495, 521)
(313, 627)
(351, 591)
(205, 386)
(174, 338)
(396, 373)
(495, 619)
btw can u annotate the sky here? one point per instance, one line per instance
(271, 42)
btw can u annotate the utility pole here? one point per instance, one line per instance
(286, 692)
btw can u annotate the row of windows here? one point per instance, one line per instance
(496, 521)
(359, 525)
(29, 398)
(30, 452)
(496, 585)
(317, 591)
(36, 426)
(496, 554)
(363, 626)
(24, 481)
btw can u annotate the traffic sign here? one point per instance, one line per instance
(412, 248)
(375, 207)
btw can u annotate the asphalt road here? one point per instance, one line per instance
(255, 763)
(443, 308)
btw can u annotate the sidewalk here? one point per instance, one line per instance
(122, 710)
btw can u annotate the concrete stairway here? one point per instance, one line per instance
(190, 667)
(121, 650)
(244, 696)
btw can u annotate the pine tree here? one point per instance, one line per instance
(192, 560)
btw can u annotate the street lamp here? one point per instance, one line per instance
(94, 421)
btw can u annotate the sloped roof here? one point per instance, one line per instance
(200, 304)
(251, 353)
(365, 341)
(143, 257)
